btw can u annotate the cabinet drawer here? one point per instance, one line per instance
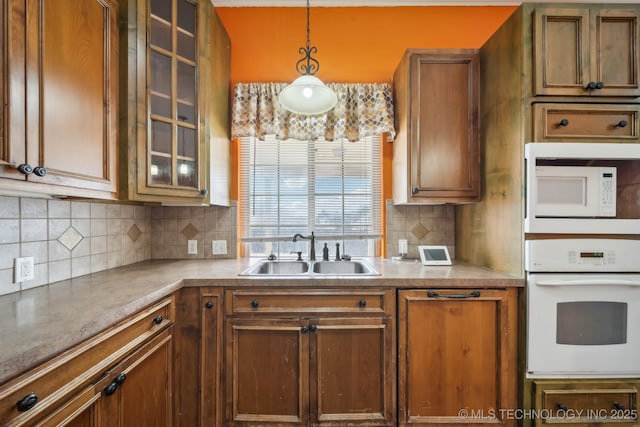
(55, 381)
(308, 301)
(586, 123)
(577, 403)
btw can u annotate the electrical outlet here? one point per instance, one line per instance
(23, 269)
(192, 247)
(219, 247)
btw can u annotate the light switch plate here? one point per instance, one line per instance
(192, 247)
(219, 247)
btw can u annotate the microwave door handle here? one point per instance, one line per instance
(588, 282)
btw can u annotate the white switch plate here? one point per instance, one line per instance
(192, 247)
(219, 247)
(23, 269)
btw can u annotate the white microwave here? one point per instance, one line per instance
(574, 191)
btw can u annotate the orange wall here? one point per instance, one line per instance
(355, 44)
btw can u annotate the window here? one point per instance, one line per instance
(333, 188)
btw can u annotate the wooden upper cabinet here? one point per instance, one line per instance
(587, 51)
(61, 90)
(171, 117)
(436, 155)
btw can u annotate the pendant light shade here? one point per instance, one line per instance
(307, 94)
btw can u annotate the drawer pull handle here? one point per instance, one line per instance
(313, 328)
(622, 124)
(209, 304)
(110, 389)
(561, 407)
(434, 294)
(618, 406)
(158, 319)
(563, 122)
(255, 303)
(27, 402)
(363, 302)
(120, 379)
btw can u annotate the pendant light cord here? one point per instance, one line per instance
(308, 27)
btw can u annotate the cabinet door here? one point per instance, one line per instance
(71, 92)
(267, 372)
(352, 365)
(586, 51)
(138, 392)
(457, 356)
(210, 368)
(80, 411)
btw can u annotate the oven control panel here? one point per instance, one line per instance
(582, 255)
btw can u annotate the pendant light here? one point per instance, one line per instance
(307, 94)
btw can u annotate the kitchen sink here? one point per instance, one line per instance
(310, 268)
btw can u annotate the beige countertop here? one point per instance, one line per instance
(39, 323)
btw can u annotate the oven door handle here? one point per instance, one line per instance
(588, 282)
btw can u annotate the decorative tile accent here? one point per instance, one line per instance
(134, 232)
(70, 238)
(190, 231)
(419, 231)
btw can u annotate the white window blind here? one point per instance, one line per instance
(333, 188)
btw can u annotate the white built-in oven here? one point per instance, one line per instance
(583, 308)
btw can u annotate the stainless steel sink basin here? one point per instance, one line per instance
(277, 268)
(341, 268)
(310, 268)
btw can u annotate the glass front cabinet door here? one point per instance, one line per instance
(171, 80)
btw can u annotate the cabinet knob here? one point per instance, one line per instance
(313, 328)
(591, 85)
(40, 171)
(599, 85)
(110, 389)
(563, 122)
(415, 190)
(209, 304)
(304, 329)
(622, 124)
(363, 302)
(204, 192)
(158, 319)
(120, 379)
(255, 303)
(27, 402)
(25, 169)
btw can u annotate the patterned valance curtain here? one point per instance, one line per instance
(363, 109)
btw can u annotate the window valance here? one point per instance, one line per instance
(363, 110)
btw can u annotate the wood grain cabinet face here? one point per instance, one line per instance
(436, 156)
(457, 351)
(311, 367)
(170, 114)
(587, 51)
(61, 93)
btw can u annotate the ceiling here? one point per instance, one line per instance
(350, 3)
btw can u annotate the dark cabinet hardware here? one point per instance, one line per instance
(204, 192)
(619, 406)
(209, 304)
(313, 328)
(434, 294)
(594, 85)
(110, 389)
(304, 329)
(599, 85)
(561, 407)
(363, 302)
(622, 124)
(563, 122)
(158, 319)
(27, 402)
(255, 303)
(40, 171)
(120, 379)
(415, 190)
(25, 169)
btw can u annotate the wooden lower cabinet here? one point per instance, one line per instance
(457, 357)
(310, 369)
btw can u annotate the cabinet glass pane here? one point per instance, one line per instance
(160, 74)
(186, 142)
(161, 9)
(186, 30)
(186, 46)
(186, 173)
(186, 84)
(160, 34)
(160, 170)
(160, 137)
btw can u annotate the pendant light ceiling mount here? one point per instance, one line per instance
(307, 94)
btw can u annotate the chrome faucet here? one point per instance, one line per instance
(312, 238)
